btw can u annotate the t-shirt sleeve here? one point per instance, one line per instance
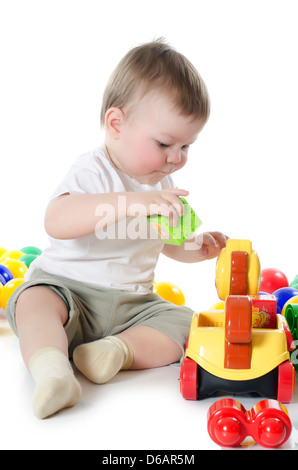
(81, 179)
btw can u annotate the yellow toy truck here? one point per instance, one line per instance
(228, 351)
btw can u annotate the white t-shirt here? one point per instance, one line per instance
(125, 255)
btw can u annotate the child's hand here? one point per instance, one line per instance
(209, 245)
(165, 202)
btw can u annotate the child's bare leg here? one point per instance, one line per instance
(150, 347)
(40, 316)
(140, 347)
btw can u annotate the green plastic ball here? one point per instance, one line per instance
(27, 259)
(31, 250)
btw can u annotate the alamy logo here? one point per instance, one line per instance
(143, 223)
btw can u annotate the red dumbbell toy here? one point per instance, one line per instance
(229, 423)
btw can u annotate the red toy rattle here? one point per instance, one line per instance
(267, 422)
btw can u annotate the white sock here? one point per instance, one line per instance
(56, 386)
(100, 360)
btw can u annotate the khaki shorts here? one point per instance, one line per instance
(97, 312)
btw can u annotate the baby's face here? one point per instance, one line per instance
(155, 139)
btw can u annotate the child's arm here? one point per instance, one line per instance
(197, 248)
(72, 216)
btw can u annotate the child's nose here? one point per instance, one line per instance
(174, 156)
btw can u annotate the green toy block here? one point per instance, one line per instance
(187, 224)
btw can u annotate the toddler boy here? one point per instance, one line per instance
(89, 295)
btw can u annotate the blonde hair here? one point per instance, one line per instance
(156, 65)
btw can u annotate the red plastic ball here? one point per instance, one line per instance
(228, 431)
(272, 432)
(273, 279)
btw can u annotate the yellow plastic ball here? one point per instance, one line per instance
(2, 251)
(8, 289)
(169, 292)
(16, 267)
(293, 300)
(13, 254)
(1, 312)
(218, 306)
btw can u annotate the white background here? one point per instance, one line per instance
(56, 57)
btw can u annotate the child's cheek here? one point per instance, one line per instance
(148, 160)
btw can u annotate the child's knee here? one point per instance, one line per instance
(40, 300)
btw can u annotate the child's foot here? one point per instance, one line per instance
(54, 395)
(100, 360)
(56, 385)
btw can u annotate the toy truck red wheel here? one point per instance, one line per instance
(286, 382)
(188, 379)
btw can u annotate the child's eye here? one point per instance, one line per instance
(161, 144)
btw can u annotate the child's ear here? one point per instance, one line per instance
(113, 121)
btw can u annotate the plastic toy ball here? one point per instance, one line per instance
(27, 259)
(218, 306)
(291, 315)
(2, 251)
(12, 254)
(283, 295)
(294, 283)
(16, 267)
(292, 300)
(169, 292)
(2, 280)
(273, 279)
(31, 250)
(8, 289)
(5, 273)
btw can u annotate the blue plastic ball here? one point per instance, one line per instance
(282, 295)
(2, 280)
(5, 273)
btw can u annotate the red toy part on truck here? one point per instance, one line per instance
(238, 332)
(266, 307)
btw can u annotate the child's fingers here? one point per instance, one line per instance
(174, 211)
(178, 191)
(220, 239)
(172, 198)
(168, 210)
(168, 203)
